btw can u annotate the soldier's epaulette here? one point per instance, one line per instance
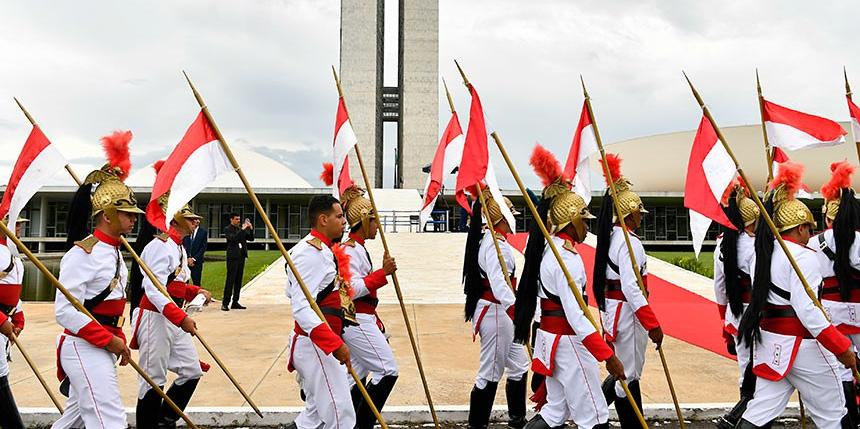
(88, 243)
(163, 237)
(568, 245)
(350, 243)
(500, 236)
(316, 243)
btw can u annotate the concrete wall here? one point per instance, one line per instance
(361, 48)
(419, 90)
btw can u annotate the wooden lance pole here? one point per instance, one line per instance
(394, 279)
(848, 94)
(570, 282)
(767, 150)
(274, 233)
(56, 283)
(619, 215)
(767, 218)
(161, 289)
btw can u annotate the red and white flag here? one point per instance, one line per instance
(344, 140)
(709, 173)
(446, 158)
(475, 165)
(584, 145)
(195, 162)
(39, 161)
(855, 119)
(793, 130)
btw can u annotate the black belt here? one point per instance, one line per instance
(775, 313)
(552, 313)
(113, 321)
(8, 309)
(368, 299)
(613, 284)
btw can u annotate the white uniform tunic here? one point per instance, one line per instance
(628, 317)
(790, 358)
(568, 360)
(491, 319)
(369, 351)
(10, 295)
(163, 344)
(845, 315)
(746, 254)
(321, 376)
(94, 396)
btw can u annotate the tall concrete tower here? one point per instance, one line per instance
(413, 104)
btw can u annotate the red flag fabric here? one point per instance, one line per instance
(583, 146)
(195, 162)
(344, 140)
(854, 111)
(476, 155)
(447, 156)
(793, 130)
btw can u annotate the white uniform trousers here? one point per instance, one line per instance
(164, 347)
(815, 374)
(4, 355)
(630, 343)
(573, 391)
(94, 399)
(369, 351)
(743, 355)
(324, 381)
(498, 350)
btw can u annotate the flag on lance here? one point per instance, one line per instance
(584, 145)
(475, 165)
(709, 172)
(344, 140)
(855, 119)
(793, 130)
(445, 160)
(38, 162)
(779, 157)
(196, 161)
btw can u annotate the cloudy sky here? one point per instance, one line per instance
(85, 68)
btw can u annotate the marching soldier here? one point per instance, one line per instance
(490, 308)
(369, 349)
(162, 330)
(795, 347)
(93, 271)
(627, 319)
(567, 346)
(317, 350)
(733, 261)
(839, 258)
(11, 321)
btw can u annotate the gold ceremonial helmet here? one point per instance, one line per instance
(840, 180)
(788, 212)
(111, 195)
(749, 210)
(494, 212)
(567, 207)
(358, 208)
(628, 200)
(184, 213)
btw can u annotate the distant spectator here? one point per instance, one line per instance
(237, 251)
(195, 246)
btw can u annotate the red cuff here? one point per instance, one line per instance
(647, 318)
(18, 320)
(598, 348)
(375, 280)
(722, 309)
(191, 291)
(173, 313)
(324, 338)
(95, 334)
(833, 340)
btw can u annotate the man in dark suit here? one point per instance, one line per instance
(195, 246)
(237, 251)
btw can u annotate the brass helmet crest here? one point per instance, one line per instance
(566, 207)
(111, 194)
(628, 200)
(788, 212)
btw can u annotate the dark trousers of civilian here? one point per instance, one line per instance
(197, 273)
(233, 284)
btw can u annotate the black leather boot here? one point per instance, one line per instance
(851, 402)
(9, 417)
(537, 422)
(744, 424)
(626, 413)
(181, 396)
(731, 419)
(481, 405)
(148, 410)
(608, 388)
(364, 418)
(515, 393)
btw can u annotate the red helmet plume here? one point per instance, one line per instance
(789, 175)
(545, 164)
(724, 200)
(614, 162)
(327, 175)
(157, 165)
(840, 179)
(117, 152)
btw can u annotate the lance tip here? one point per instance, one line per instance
(462, 73)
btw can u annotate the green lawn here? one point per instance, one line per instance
(687, 260)
(214, 272)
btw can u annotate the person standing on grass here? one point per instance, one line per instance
(195, 245)
(237, 251)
